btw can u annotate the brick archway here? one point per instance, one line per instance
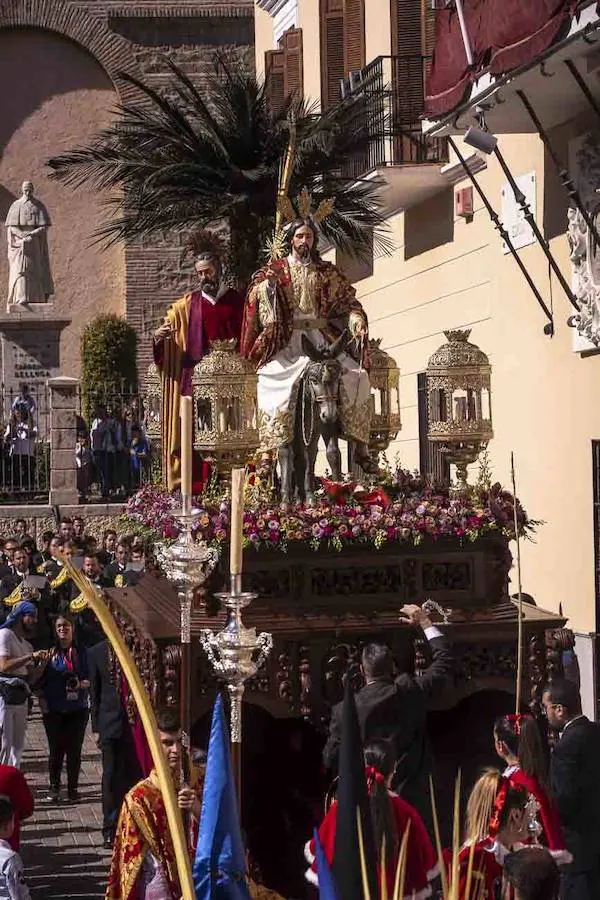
(110, 50)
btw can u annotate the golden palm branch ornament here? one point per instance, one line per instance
(144, 706)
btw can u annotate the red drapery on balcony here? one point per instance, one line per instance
(504, 35)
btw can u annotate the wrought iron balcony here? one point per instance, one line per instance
(389, 96)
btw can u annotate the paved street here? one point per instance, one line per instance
(61, 845)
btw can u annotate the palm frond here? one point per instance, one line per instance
(190, 158)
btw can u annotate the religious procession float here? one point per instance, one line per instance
(268, 579)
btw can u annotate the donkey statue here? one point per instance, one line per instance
(317, 416)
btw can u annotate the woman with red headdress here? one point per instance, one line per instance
(391, 816)
(496, 825)
(518, 742)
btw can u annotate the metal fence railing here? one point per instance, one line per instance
(387, 99)
(115, 453)
(24, 444)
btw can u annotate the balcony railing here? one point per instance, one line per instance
(389, 97)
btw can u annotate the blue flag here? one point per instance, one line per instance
(326, 883)
(220, 864)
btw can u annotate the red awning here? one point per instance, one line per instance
(504, 35)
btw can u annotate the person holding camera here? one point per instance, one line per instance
(20, 669)
(65, 708)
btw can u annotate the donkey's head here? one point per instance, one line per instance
(323, 377)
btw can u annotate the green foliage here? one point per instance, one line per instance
(185, 163)
(108, 363)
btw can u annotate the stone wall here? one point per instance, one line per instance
(62, 59)
(97, 517)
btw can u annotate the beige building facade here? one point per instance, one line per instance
(450, 270)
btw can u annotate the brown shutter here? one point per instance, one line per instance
(293, 64)
(409, 18)
(354, 36)
(275, 77)
(332, 50)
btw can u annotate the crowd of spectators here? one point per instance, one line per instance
(112, 451)
(53, 652)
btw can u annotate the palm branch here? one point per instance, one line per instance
(192, 158)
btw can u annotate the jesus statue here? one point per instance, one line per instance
(305, 295)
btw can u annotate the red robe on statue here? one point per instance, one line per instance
(421, 862)
(208, 320)
(195, 321)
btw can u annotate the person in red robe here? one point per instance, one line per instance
(213, 312)
(391, 816)
(14, 786)
(496, 825)
(143, 865)
(518, 742)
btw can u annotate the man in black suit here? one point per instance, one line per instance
(17, 572)
(120, 766)
(114, 574)
(575, 780)
(395, 709)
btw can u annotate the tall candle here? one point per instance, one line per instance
(185, 412)
(237, 521)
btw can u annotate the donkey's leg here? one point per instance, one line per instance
(310, 458)
(286, 464)
(334, 456)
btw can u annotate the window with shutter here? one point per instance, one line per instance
(354, 36)
(409, 30)
(275, 77)
(293, 64)
(332, 50)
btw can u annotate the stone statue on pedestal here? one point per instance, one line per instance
(27, 222)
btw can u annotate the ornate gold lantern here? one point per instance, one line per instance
(225, 407)
(459, 402)
(152, 402)
(385, 398)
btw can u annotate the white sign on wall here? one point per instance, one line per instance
(514, 221)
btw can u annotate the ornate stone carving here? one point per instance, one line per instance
(585, 268)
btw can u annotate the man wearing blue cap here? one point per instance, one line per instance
(20, 666)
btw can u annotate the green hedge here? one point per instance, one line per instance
(108, 364)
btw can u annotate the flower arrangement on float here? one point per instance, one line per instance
(405, 508)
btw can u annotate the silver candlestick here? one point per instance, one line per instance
(236, 654)
(187, 563)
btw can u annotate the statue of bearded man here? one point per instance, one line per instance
(296, 296)
(212, 312)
